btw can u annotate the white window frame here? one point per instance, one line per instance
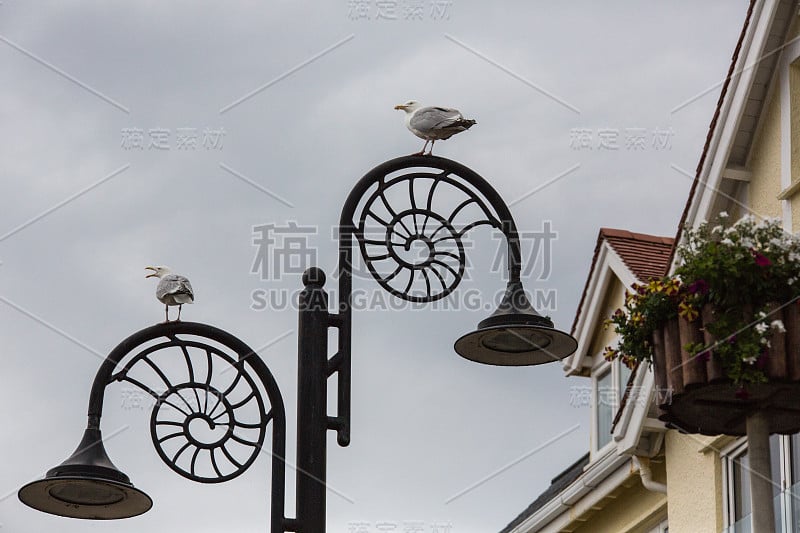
(600, 368)
(729, 455)
(738, 448)
(597, 450)
(789, 56)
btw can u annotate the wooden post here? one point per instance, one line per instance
(714, 370)
(672, 347)
(694, 367)
(760, 477)
(792, 322)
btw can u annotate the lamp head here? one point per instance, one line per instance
(515, 335)
(86, 485)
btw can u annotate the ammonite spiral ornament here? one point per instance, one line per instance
(411, 232)
(210, 419)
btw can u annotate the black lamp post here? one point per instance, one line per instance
(408, 216)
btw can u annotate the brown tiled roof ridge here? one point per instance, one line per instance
(625, 234)
(646, 256)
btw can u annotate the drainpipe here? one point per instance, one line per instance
(642, 464)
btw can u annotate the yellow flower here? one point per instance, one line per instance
(637, 318)
(630, 297)
(672, 287)
(609, 353)
(655, 286)
(688, 312)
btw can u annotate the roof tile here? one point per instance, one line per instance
(647, 256)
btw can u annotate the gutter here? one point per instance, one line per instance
(642, 464)
(598, 480)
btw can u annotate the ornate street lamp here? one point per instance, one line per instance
(215, 397)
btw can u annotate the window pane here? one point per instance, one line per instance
(742, 526)
(740, 498)
(741, 487)
(606, 399)
(624, 376)
(794, 492)
(775, 464)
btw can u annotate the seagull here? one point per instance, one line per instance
(433, 123)
(172, 289)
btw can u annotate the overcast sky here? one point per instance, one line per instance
(588, 115)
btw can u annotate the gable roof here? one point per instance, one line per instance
(713, 125)
(646, 256)
(557, 484)
(741, 103)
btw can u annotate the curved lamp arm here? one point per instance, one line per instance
(409, 216)
(223, 387)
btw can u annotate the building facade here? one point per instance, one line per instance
(638, 476)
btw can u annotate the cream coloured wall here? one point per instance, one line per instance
(794, 117)
(694, 483)
(765, 163)
(605, 336)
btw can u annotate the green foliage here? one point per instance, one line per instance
(742, 271)
(746, 264)
(645, 309)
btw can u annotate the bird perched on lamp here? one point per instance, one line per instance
(433, 123)
(172, 289)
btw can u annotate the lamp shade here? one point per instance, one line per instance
(516, 335)
(86, 485)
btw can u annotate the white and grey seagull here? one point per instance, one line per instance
(172, 289)
(433, 123)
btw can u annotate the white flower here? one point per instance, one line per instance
(726, 241)
(761, 327)
(723, 214)
(794, 257)
(762, 314)
(717, 229)
(777, 325)
(765, 342)
(747, 242)
(750, 360)
(791, 281)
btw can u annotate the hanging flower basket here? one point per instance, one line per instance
(723, 332)
(698, 396)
